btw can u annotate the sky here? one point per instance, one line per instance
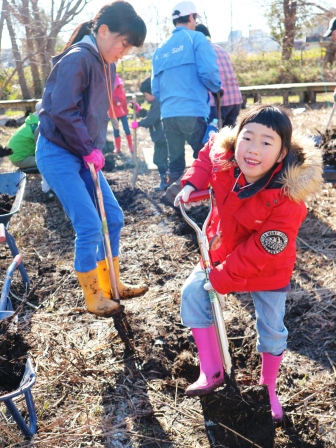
(231, 14)
(215, 14)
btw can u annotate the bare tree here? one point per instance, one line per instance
(40, 28)
(286, 18)
(16, 52)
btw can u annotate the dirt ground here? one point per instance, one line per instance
(90, 391)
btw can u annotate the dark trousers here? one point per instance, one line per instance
(160, 158)
(179, 130)
(229, 114)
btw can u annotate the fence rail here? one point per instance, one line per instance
(306, 91)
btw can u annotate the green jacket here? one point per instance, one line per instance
(22, 143)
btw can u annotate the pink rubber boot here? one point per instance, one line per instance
(211, 366)
(269, 371)
(130, 142)
(117, 144)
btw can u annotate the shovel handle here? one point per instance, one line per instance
(331, 115)
(201, 195)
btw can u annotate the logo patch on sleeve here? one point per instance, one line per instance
(274, 241)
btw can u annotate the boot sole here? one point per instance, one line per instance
(206, 391)
(133, 295)
(113, 313)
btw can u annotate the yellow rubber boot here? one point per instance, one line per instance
(104, 279)
(95, 300)
(125, 291)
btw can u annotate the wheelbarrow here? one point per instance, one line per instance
(29, 377)
(12, 184)
(232, 418)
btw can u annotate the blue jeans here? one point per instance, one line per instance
(179, 130)
(229, 114)
(71, 181)
(196, 312)
(124, 122)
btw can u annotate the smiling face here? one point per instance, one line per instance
(257, 151)
(112, 46)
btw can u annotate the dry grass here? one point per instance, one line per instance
(89, 393)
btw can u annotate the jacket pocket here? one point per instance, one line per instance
(251, 220)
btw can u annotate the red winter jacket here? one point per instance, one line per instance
(258, 224)
(119, 102)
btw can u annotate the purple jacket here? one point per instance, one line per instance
(75, 100)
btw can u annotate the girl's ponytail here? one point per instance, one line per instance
(82, 30)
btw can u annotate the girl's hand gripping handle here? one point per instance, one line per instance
(96, 158)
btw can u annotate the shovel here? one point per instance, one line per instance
(135, 145)
(331, 115)
(329, 171)
(213, 295)
(219, 112)
(232, 418)
(319, 138)
(120, 321)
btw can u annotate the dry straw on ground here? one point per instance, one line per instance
(89, 393)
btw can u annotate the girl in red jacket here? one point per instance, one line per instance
(261, 175)
(119, 111)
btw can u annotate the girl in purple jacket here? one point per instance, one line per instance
(73, 125)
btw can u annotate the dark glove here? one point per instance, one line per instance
(4, 151)
(137, 106)
(220, 93)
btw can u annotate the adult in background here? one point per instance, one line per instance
(231, 100)
(331, 32)
(184, 71)
(73, 126)
(331, 50)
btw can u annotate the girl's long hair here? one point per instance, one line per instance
(120, 17)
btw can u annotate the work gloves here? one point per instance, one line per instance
(208, 286)
(183, 195)
(96, 158)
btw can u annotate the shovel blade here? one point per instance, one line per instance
(237, 419)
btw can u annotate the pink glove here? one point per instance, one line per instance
(134, 124)
(96, 157)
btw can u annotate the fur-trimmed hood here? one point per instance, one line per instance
(302, 173)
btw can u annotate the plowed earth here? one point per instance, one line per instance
(91, 391)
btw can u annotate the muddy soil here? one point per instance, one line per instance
(6, 202)
(91, 391)
(13, 356)
(328, 146)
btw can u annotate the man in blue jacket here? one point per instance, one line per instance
(184, 71)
